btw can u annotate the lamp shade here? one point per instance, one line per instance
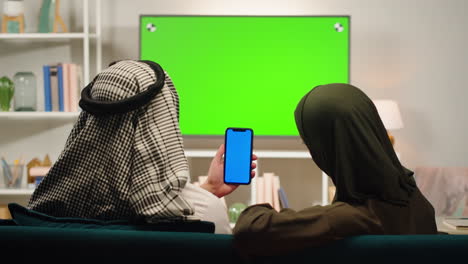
(389, 113)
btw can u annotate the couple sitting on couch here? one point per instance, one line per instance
(124, 160)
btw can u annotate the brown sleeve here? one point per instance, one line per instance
(262, 231)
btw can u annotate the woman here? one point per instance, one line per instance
(375, 194)
(124, 158)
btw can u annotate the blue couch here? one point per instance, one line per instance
(65, 245)
(33, 236)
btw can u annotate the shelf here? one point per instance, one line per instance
(260, 154)
(38, 115)
(45, 35)
(201, 153)
(16, 191)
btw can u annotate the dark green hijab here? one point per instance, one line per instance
(348, 141)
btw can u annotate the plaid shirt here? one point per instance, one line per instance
(121, 166)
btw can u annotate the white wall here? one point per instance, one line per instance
(414, 52)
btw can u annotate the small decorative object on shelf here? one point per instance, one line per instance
(44, 21)
(25, 91)
(57, 18)
(31, 164)
(235, 210)
(49, 18)
(13, 17)
(12, 173)
(7, 89)
(37, 170)
(46, 162)
(38, 173)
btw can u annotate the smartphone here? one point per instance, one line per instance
(238, 143)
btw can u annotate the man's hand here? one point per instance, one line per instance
(215, 181)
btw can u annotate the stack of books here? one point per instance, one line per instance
(62, 85)
(269, 190)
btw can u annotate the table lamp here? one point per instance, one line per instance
(390, 115)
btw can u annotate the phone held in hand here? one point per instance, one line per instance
(238, 144)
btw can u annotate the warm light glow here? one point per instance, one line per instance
(389, 113)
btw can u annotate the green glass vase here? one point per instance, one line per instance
(235, 210)
(25, 91)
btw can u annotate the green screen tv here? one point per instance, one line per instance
(245, 71)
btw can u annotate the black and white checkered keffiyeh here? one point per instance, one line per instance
(121, 166)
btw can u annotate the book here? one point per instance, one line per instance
(283, 199)
(456, 223)
(268, 187)
(66, 87)
(54, 86)
(275, 189)
(73, 87)
(80, 83)
(260, 191)
(60, 87)
(47, 93)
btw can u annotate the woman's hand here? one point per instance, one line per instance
(215, 181)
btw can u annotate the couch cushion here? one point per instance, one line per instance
(7, 222)
(23, 216)
(31, 244)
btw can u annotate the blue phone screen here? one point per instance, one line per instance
(238, 156)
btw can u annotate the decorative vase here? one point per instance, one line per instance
(7, 89)
(13, 16)
(235, 210)
(25, 91)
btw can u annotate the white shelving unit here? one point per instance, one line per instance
(21, 130)
(21, 191)
(31, 116)
(44, 35)
(86, 36)
(200, 153)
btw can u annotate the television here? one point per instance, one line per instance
(245, 71)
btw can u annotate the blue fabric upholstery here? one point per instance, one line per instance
(64, 244)
(25, 217)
